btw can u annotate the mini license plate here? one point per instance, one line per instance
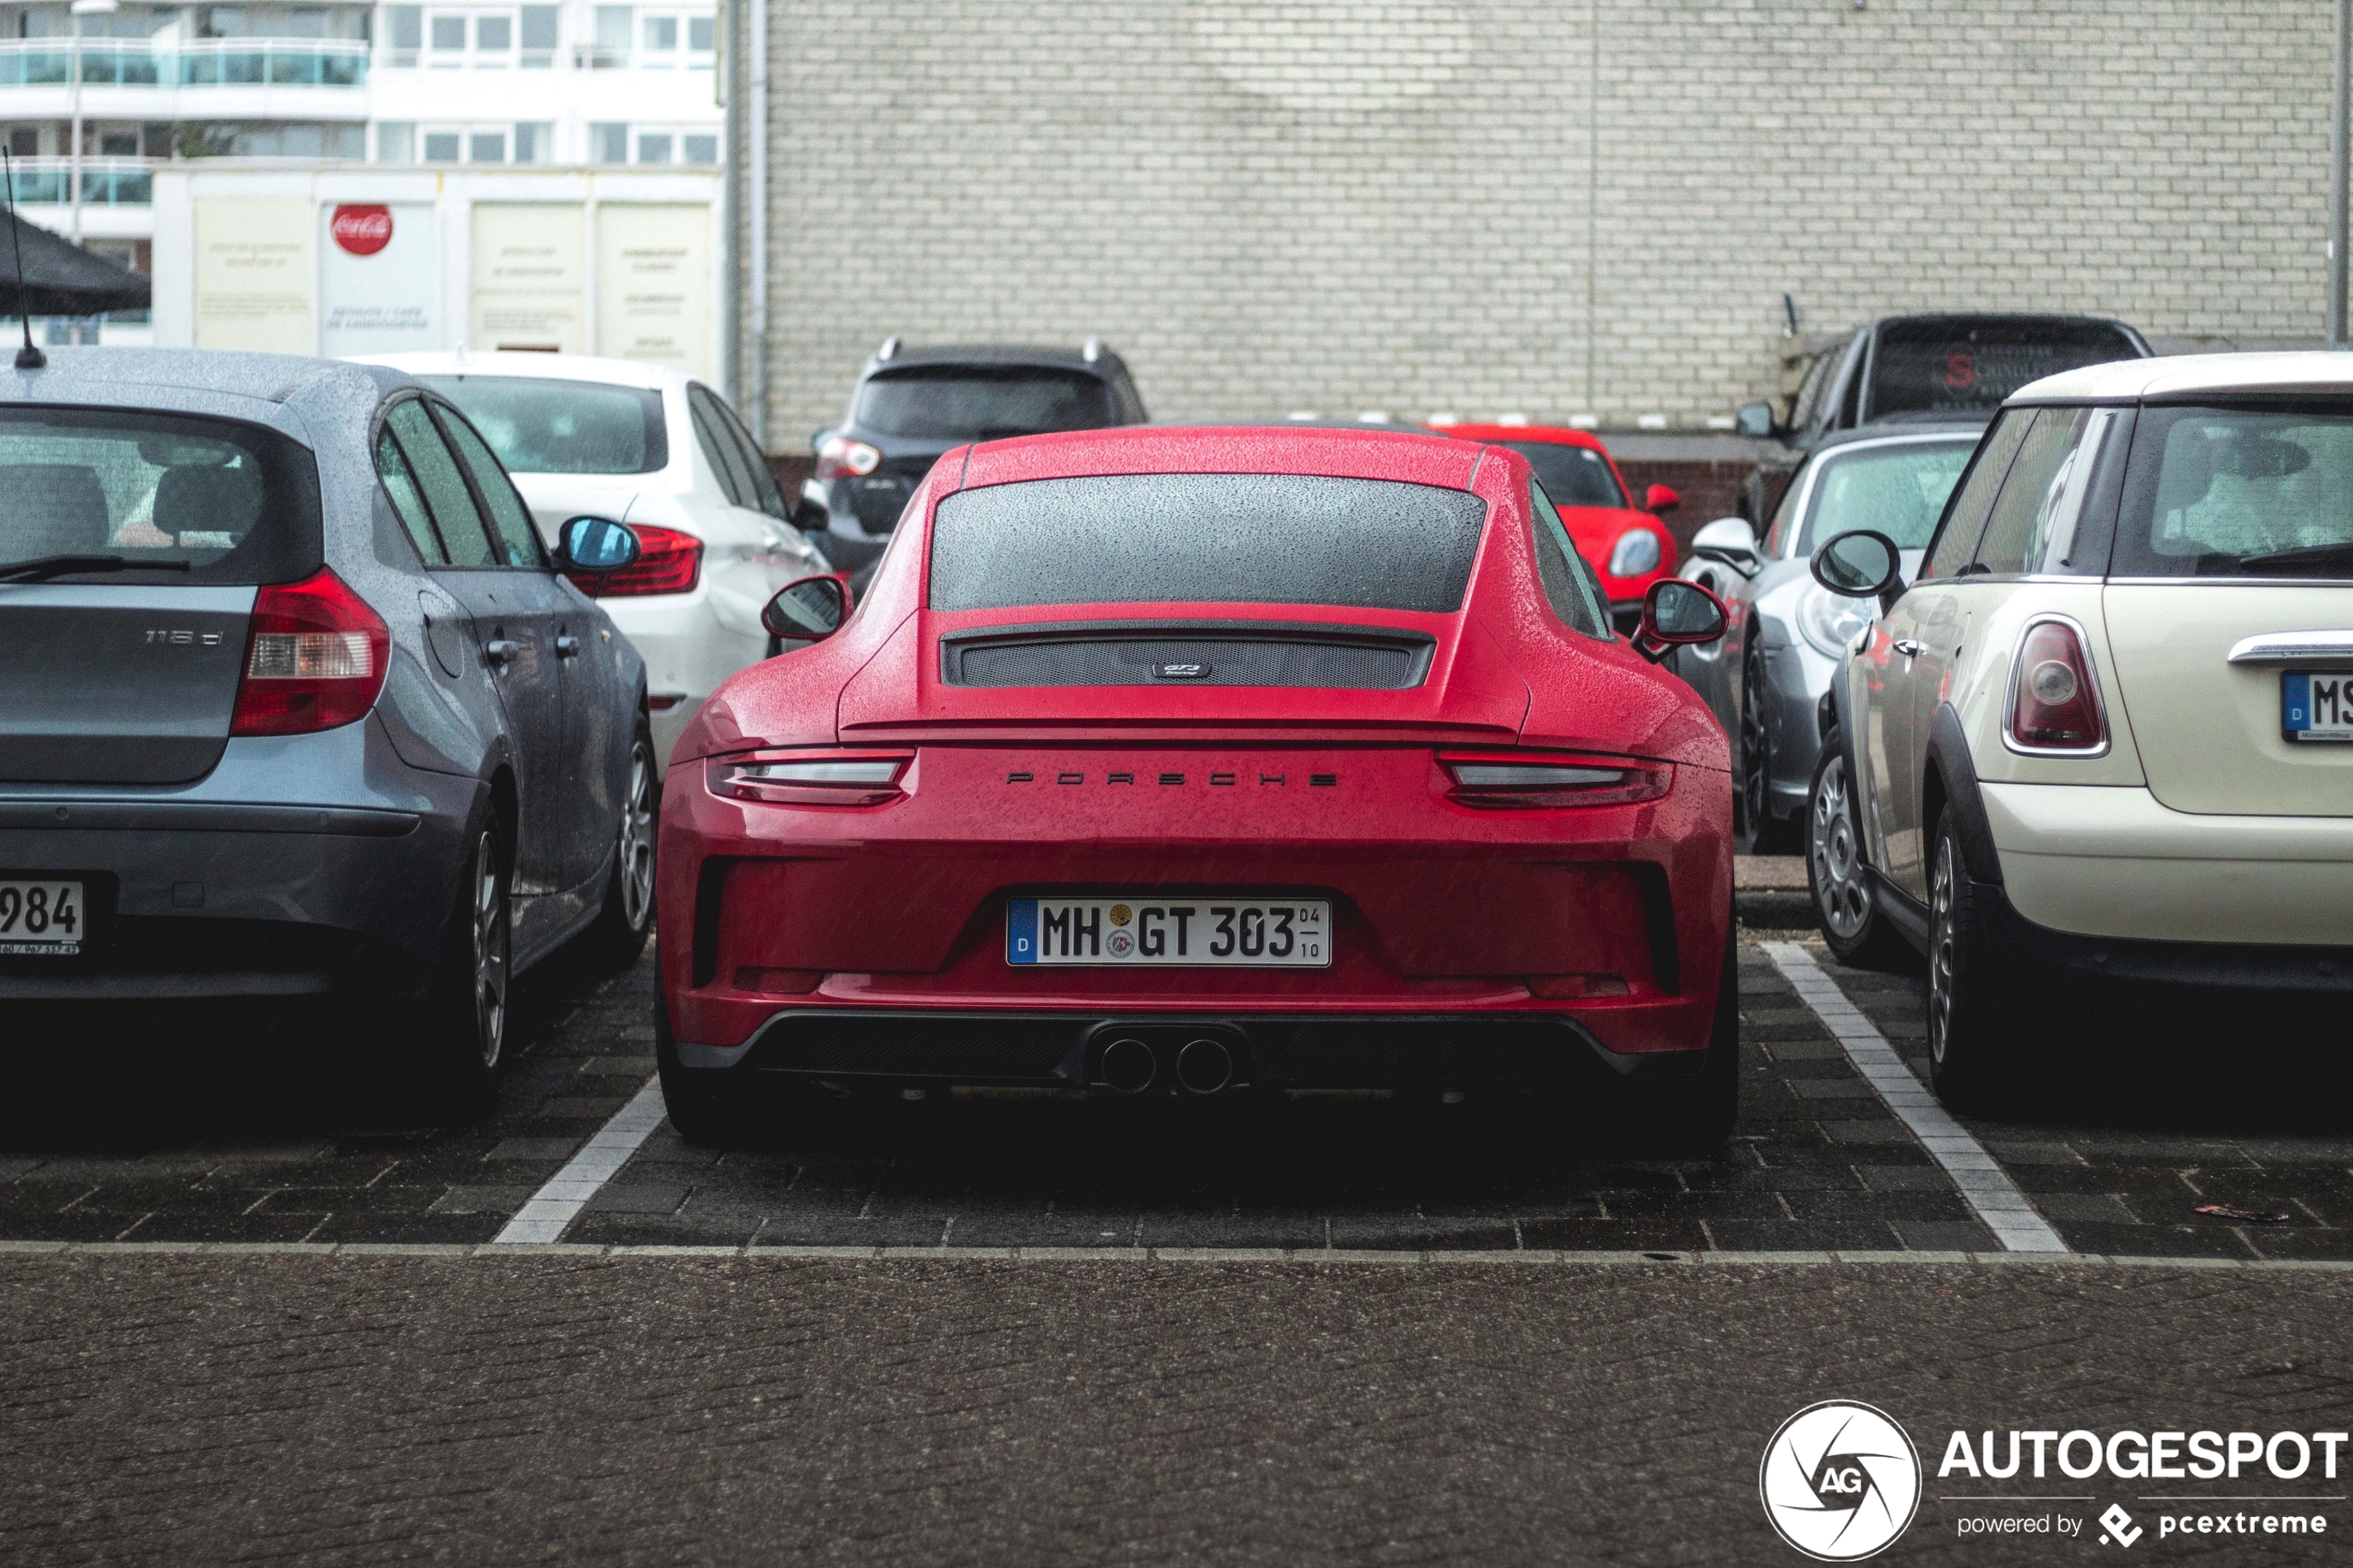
(1193, 933)
(2316, 707)
(41, 919)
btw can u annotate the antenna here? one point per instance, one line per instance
(28, 358)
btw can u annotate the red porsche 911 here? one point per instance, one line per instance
(1626, 546)
(1171, 762)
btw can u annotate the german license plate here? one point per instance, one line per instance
(1161, 932)
(2316, 707)
(41, 918)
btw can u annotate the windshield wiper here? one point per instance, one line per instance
(2338, 557)
(41, 567)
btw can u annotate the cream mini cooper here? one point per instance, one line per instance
(2108, 728)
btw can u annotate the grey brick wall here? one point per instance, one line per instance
(1497, 206)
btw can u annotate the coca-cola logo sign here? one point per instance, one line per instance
(362, 231)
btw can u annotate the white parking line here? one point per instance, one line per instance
(1984, 1184)
(568, 1191)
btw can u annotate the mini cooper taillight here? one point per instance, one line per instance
(1497, 780)
(669, 561)
(841, 457)
(867, 778)
(2055, 705)
(315, 659)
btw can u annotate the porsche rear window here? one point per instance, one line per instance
(1216, 538)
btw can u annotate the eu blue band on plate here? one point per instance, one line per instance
(1021, 932)
(2295, 702)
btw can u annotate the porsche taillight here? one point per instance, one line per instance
(1504, 781)
(864, 778)
(2055, 705)
(315, 659)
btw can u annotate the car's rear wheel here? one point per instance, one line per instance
(618, 933)
(1974, 1030)
(1854, 927)
(1769, 835)
(467, 1000)
(708, 1107)
(1693, 1116)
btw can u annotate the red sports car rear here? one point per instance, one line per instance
(1207, 761)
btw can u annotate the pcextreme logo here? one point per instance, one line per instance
(1840, 1481)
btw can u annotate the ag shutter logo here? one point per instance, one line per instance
(362, 230)
(1840, 1481)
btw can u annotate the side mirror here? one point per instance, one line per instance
(1730, 541)
(808, 610)
(1678, 610)
(1756, 421)
(1862, 564)
(595, 544)
(1661, 500)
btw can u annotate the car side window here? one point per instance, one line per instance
(767, 496)
(1972, 501)
(2031, 497)
(1807, 404)
(1572, 593)
(717, 451)
(1784, 514)
(406, 503)
(441, 484)
(519, 541)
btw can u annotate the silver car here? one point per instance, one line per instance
(292, 700)
(1765, 678)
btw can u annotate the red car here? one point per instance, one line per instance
(1189, 761)
(1628, 546)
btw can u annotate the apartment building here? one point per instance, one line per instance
(94, 94)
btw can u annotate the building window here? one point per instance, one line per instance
(404, 32)
(699, 149)
(612, 37)
(441, 146)
(397, 141)
(700, 33)
(654, 148)
(494, 36)
(539, 36)
(662, 35)
(535, 142)
(607, 144)
(24, 141)
(486, 147)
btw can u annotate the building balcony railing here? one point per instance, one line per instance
(106, 181)
(211, 62)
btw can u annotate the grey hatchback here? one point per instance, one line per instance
(293, 701)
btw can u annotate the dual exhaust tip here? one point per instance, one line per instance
(1202, 1065)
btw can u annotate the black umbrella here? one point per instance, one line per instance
(61, 279)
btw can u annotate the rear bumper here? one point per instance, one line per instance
(2114, 863)
(2019, 946)
(1275, 1050)
(207, 896)
(1439, 911)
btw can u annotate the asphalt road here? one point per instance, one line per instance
(636, 1409)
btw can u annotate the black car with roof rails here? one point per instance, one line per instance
(1933, 367)
(910, 405)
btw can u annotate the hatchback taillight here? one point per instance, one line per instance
(841, 457)
(668, 562)
(865, 778)
(315, 659)
(2055, 705)
(1501, 780)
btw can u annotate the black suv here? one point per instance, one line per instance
(914, 403)
(1921, 367)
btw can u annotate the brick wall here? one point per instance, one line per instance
(1555, 206)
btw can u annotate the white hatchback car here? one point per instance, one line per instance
(667, 455)
(2108, 730)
